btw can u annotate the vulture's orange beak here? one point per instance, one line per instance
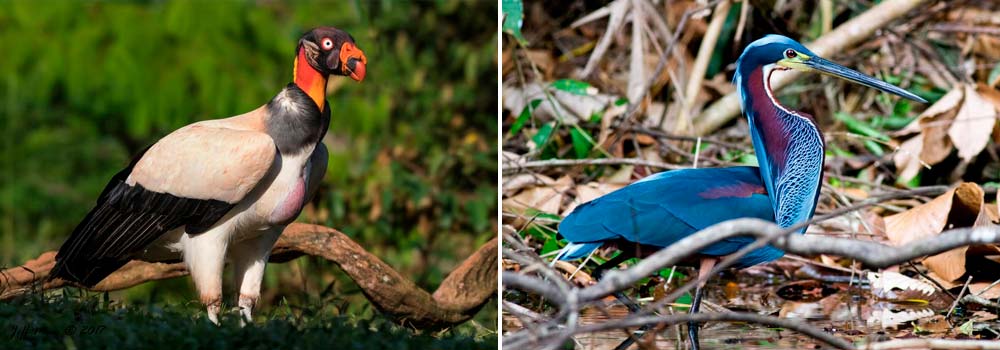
(353, 61)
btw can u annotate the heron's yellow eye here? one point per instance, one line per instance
(790, 53)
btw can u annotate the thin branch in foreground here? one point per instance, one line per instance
(792, 324)
(513, 167)
(949, 344)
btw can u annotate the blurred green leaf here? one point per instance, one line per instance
(994, 76)
(524, 116)
(859, 127)
(677, 275)
(513, 18)
(575, 87)
(966, 328)
(543, 134)
(684, 299)
(551, 245)
(582, 143)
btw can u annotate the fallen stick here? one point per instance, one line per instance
(456, 300)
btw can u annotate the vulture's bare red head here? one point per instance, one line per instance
(332, 51)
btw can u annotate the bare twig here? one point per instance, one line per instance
(979, 300)
(955, 303)
(951, 344)
(516, 167)
(795, 325)
(964, 28)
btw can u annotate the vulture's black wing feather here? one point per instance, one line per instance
(125, 221)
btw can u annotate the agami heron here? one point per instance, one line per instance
(663, 208)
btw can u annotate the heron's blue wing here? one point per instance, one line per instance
(666, 207)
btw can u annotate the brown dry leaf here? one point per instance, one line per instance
(987, 45)
(645, 140)
(907, 158)
(588, 192)
(547, 198)
(934, 324)
(828, 260)
(983, 316)
(959, 207)
(855, 193)
(978, 287)
(947, 103)
(937, 146)
(932, 145)
(543, 60)
(992, 96)
(621, 177)
(944, 283)
(970, 132)
(925, 220)
(876, 223)
(570, 107)
(514, 184)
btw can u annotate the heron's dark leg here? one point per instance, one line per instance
(610, 264)
(624, 299)
(706, 267)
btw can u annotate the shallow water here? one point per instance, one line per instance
(849, 312)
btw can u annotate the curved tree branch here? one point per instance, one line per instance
(456, 300)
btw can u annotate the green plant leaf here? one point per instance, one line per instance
(524, 116)
(543, 134)
(966, 328)
(582, 143)
(551, 245)
(859, 127)
(665, 273)
(513, 18)
(575, 87)
(994, 75)
(684, 299)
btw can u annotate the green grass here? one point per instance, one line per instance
(94, 322)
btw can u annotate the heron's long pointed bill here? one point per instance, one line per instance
(826, 67)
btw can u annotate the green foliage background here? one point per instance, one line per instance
(84, 85)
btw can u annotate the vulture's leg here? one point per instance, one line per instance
(204, 255)
(249, 258)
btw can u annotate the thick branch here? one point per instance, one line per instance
(869, 253)
(456, 300)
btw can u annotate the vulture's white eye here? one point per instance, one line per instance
(327, 44)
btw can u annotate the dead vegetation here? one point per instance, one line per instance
(597, 97)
